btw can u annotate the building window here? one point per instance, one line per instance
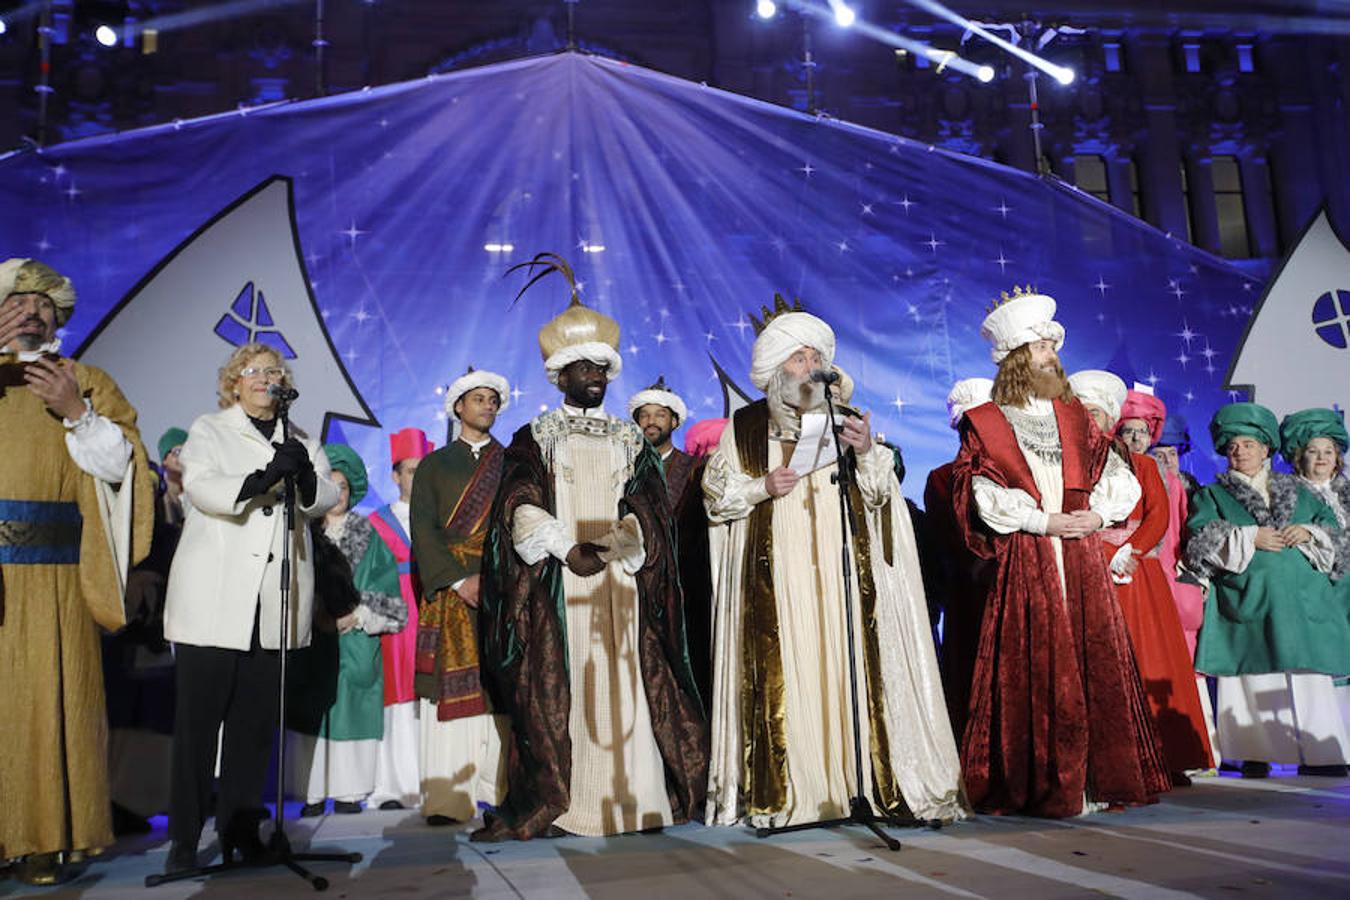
(1244, 58)
(1136, 195)
(1190, 56)
(1234, 240)
(1112, 57)
(1089, 173)
(1186, 202)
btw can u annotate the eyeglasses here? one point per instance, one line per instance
(269, 372)
(1133, 432)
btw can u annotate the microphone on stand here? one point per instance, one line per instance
(825, 376)
(283, 394)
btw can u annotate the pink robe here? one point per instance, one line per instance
(1189, 598)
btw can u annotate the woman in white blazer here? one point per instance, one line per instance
(223, 607)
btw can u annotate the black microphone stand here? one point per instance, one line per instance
(279, 852)
(859, 808)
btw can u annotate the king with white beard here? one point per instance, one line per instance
(782, 735)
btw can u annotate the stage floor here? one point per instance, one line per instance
(1225, 837)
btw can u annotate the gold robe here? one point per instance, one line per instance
(53, 761)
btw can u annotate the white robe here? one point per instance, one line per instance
(397, 768)
(618, 776)
(809, 590)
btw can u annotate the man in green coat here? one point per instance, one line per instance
(1273, 630)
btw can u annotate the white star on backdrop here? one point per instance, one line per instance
(842, 247)
(899, 404)
(740, 325)
(1186, 334)
(516, 393)
(1003, 209)
(633, 349)
(867, 209)
(660, 338)
(906, 203)
(1002, 262)
(361, 315)
(1101, 286)
(807, 170)
(933, 243)
(352, 232)
(72, 192)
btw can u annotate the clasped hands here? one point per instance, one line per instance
(1070, 526)
(1277, 539)
(855, 432)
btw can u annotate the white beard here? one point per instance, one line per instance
(789, 397)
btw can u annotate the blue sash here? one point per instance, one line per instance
(39, 532)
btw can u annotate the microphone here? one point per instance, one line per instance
(825, 376)
(281, 393)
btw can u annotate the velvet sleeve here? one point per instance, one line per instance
(1154, 526)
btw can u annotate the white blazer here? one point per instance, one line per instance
(229, 557)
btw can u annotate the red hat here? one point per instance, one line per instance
(410, 443)
(1141, 405)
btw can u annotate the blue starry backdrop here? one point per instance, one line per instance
(680, 207)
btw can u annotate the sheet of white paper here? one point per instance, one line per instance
(815, 449)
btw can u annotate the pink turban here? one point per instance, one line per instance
(1153, 411)
(703, 436)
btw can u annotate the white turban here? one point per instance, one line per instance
(598, 352)
(479, 378)
(669, 399)
(784, 336)
(1101, 389)
(967, 394)
(1020, 321)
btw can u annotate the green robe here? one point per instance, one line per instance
(1280, 614)
(337, 692)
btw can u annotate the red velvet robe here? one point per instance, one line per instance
(1155, 629)
(1057, 710)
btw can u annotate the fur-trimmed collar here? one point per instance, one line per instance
(1283, 498)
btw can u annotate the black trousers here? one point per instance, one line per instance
(215, 686)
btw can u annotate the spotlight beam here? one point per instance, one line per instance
(231, 9)
(944, 59)
(1060, 73)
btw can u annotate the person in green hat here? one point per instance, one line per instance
(1314, 442)
(1274, 631)
(172, 501)
(335, 729)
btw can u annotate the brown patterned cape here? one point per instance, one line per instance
(524, 651)
(447, 635)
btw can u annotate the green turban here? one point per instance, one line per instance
(344, 459)
(1244, 420)
(174, 437)
(1299, 428)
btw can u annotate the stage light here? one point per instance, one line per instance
(844, 16)
(3, 27)
(985, 74)
(106, 35)
(499, 248)
(1064, 76)
(766, 9)
(593, 248)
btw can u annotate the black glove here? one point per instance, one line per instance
(291, 459)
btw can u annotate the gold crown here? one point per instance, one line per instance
(1004, 297)
(780, 306)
